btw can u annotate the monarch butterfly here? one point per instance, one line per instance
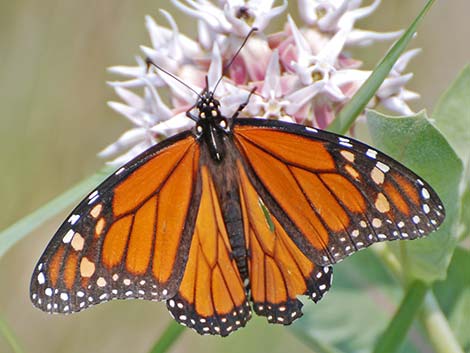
(230, 212)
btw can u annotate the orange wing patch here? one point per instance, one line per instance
(211, 298)
(278, 178)
(148, 178)
(115, 241)
(124, 240)
(141, 238)
(279, 271)
(291, 149)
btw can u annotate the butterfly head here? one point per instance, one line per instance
(208, 107)
(211, 125)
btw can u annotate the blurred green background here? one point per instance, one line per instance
(54, 119)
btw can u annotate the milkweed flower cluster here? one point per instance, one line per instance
(302, 73)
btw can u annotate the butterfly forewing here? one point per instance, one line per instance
(129, 238)
(334, 195)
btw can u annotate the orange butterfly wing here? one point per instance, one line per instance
(128, 238)
(290, 200)
(212, 297)
(333, 195)
(279, 270)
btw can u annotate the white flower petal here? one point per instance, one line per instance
(178, 123)
(397, 105)
(125, 141)
(393, 85)
(330, 52)
(404, 59)
(407, 95)
(132, 153)
(262, 19)
(343, 77)
(130, 97)
(357, 14)
(358, 37)
(272, 82)
(128, 71)
(331, 20)
(207, 12)
(215, 69)
(303, 49)
(333, 92)
(131, 113)
(138, 82)
(302, 96)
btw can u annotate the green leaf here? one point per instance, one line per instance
(356, 105)
(465, 211)
(356, 310)
(459, 318)
(452, 114)
(17, 231)
(416, 143)
(453, 296)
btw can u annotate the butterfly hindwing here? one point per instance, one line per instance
(211, 298)
(333, 195)
(279, 270)
(126, 239)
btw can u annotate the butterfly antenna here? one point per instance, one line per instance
(149, 62)
(254, 29)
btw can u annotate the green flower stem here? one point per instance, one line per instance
(17, 231)
(395, 334)
(437, 327)
(10, 338)
(432, 318)
(357, 104)
(168, 337)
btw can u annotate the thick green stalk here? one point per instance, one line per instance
(168, 337)
(397, 329)
(438, 329)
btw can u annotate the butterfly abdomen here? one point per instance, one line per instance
(227, 188)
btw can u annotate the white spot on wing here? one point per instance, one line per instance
(73, 219)
(383, 167)
(311, 129)
(371, 153)
(41, 278)
(425, 193)
(68, 236)
(120, 170)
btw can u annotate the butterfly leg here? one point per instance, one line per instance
(190, 115)
(244, 104)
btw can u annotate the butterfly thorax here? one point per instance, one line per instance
(211, 126)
